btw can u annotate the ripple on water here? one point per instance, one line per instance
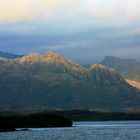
(82, 131)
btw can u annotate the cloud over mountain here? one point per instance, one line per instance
(61, 25)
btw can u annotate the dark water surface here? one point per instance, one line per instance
(111, 130)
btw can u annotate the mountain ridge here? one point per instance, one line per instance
(9, 55)
(128, 68)
(134, 83)
(52, 81)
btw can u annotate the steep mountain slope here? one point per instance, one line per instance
(51, 81)
(128, 68)
(8, 55)
(133, 83)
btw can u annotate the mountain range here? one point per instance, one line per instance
(9, 55)
(128, 68)
(53, 82)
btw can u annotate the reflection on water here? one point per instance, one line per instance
(121, 130)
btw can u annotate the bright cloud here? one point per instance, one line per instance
(91, 10)
(13, 11)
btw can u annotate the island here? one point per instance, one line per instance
(10, 123)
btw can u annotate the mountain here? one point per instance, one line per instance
(134, 83)
(53, 82)
(9, 55)
(128, 68)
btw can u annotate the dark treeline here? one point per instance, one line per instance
(77, 115)
(86, 115)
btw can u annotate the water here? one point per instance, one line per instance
(112, 130)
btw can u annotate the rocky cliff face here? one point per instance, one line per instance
(128, 68)
(133, 83)
(51, 81)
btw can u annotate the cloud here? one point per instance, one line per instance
(32, 10)
(71, 27)
(72, 11)
(14, 10)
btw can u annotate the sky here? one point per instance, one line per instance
(82, 30)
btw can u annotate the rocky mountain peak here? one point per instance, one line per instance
(53, 54)
(30, 58)
(99, 67)
(128, 68)
(113, 59)
(57, 59)
(54, 57)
